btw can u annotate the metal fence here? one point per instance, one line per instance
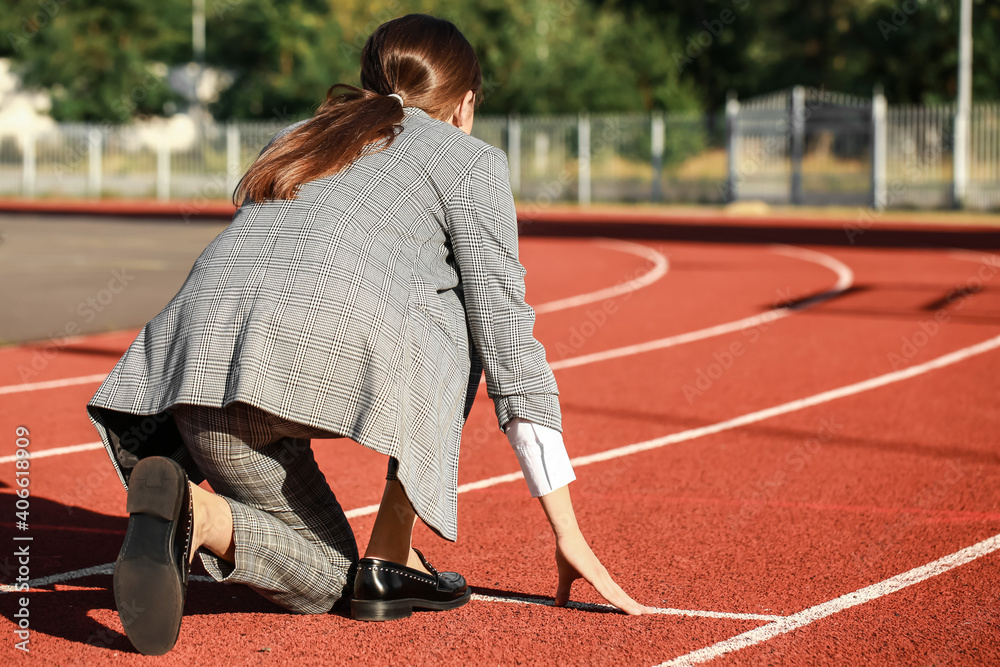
(612, 157)
(129, 161)
(797, 146)
(816, 147)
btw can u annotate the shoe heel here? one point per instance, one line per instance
(153, 488)
(380, 610)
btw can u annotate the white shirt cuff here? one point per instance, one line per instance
(542, 455)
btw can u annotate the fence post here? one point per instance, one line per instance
(583, 163)
(732, 147)
(963, 108)
(658, 143)
(163, 169)
(514, 152)
(29, 165)
(879, 110)
(232, 157)
(95, 155)
(798, 128)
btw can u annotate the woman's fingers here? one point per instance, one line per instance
(614, 594)
(562, 592)
(567, 575)
(576, 560)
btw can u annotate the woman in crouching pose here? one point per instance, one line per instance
(369, 278)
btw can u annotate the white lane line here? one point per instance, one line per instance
(796, 405)
(743, 420)
(861, 596)
(109, 568)
(56, 451)
(672, 341)
(845, 279)
(659, 269)
(52, 384)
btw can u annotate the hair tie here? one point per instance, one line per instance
(398, 98)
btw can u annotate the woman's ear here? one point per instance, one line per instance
(462, 117)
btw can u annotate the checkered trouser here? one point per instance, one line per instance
(293, 543)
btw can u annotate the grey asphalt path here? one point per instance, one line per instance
(75, 275)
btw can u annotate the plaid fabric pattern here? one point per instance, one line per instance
(368, 307)
(293, 543)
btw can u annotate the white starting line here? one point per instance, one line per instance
(108, 569)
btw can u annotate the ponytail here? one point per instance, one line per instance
(419, 58)
(347, 125)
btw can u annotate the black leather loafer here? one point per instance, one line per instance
(384, 590)
(151, 572)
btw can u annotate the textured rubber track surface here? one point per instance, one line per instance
(726, 532)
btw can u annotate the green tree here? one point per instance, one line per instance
(909, 46)
(563, 56)
(100, 61)
(108, 61)
(282, 56)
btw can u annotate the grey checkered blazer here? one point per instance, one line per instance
(367, 307)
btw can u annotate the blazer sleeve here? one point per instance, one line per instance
(482, 226)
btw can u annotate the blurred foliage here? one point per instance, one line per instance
(108, 61)
(908, 46)
(100, 62)
(540, 56)
(282, 55)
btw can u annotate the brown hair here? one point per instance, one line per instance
(424, 60)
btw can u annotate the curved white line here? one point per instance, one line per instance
(845, 279)
(845, 276)
(660, 267)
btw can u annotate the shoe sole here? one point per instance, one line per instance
(149, 593)
(390, 610)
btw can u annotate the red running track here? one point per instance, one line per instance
(861, 524)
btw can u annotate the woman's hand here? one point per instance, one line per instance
(575, 559)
